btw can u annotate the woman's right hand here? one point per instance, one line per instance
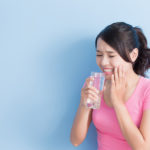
(88, 92)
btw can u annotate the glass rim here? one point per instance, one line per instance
(97, 74)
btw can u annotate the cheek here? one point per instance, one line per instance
(125, 65)
(118, 62)
(115, 62)
(98, 62)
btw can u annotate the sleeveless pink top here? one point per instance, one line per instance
(109, 135)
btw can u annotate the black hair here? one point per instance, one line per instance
(124, 38)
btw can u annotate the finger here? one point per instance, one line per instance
(85, 99)
(116, 75)
(89, 78)
(123, 73)
(89, 87)
(120, 73)
(124, 77)
(93, 89)
(91, 98)
(89, 81)
(124, 70)
(91, 94)
(112, 80)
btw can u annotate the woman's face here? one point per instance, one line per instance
(107, 59)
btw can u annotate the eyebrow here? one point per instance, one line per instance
(106, 51)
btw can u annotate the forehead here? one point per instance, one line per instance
(102, 46)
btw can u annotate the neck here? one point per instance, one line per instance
(131, 79)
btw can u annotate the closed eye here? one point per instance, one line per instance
(102, 55)
(111, 56)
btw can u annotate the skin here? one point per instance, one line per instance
(119, 86)
(118, 89)
(107, 57)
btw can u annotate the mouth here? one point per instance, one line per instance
(108, 71)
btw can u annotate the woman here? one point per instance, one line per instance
(123, 119)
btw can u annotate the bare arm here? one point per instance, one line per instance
(83, 116)
(80, 125)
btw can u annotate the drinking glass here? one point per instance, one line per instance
(98, 83)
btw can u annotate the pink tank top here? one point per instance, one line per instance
(109, 135)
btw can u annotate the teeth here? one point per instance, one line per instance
(107, 70)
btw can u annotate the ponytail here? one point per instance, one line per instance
(142, 63)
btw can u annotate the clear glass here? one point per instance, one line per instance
(98, 83)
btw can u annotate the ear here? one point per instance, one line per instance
(134, 54)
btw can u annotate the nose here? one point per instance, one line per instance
(104, 61)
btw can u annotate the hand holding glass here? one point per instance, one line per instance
(98, 83)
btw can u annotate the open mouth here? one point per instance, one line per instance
(108, 71)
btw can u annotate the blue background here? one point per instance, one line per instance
(46, 53)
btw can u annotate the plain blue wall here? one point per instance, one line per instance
(46, 53)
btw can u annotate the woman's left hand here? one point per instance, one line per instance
(117, 86)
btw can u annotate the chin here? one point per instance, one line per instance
(108, 77)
